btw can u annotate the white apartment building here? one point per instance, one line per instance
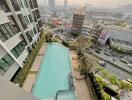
(20, 26)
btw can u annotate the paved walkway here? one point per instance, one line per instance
(29, 82)
(81, 88)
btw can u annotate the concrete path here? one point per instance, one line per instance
(29, 82)
(81, 88)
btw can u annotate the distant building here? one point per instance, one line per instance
(55, 21)
(51, 4)
(104, 35)
(86, 30)
(65, 4)
(77, 23)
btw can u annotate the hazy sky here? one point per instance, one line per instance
(109, 3)
(101, 3)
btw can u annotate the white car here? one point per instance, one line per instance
(129, 65)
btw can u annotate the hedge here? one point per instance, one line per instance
(22, 74)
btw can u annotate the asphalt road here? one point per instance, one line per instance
(118, 72)
(114, 69)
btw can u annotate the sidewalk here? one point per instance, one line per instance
(81, 88)
(29, 82)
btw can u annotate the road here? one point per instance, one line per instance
(118, 72)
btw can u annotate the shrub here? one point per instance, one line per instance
(22, 74)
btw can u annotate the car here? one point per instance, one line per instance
(98, 51)
(124, 61)
(106, 53)
(129, 65)
(102, 63)
(112, 60)
(129, 80)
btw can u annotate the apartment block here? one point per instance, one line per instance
(20, 26)
(77, 23)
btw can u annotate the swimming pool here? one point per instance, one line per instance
(53, 74)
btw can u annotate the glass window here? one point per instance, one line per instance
(15, 53)
(22, 20)
(3, 29)
(31, 5)
(2, 37)
(20, 3)
(9, 29)
(30, 17)
(25, 3)
(2, 72)
(8, 59)
(34, 30)
(5, 64)
(4, 6)
(15, 5)
(13, 24)
(21, 47)
(18, 50)
(29, 36)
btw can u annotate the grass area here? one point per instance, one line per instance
(32, 72)
(22, 74)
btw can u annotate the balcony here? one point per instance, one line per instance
(31, 4)
(22, 20)
(35, 3)
(11, 71)
(13, 41)
(29, 36)
(4, 6)
(34, 15)
(22, 57)
(37, 14)
(23, 41)
(15, 5)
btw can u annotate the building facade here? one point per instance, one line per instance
(77, 23)
(20, 26)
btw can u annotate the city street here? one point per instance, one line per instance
(117, 71)
(112, 66)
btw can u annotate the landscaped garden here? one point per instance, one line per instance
(22, 74)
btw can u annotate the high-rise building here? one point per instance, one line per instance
(77, 23)
(20, 26)
(65, 4)
(51, 4)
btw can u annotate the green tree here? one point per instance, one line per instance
(113, 79)
(48, 37)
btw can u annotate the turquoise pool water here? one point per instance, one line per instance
(53, 74)
(66, 95)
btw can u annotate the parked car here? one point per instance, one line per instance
(112, 60)
(98, 51)
(106, 53)
(129, 65)
(102, 63)
(124, 61)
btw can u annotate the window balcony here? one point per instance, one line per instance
(4, 6)
(15, 5)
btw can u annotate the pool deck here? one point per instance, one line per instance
(81, 89)
(28, 83)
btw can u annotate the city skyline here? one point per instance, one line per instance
(99, 3)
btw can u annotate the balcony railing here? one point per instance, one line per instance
(15, 5)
